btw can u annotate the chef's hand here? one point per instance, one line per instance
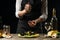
(21, 13)
(32, 23)
(25, 10)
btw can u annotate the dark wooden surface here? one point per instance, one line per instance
(15, 37)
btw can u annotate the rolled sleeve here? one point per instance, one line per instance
(20, 4)
(17, 14)
(18, 7)
(44, 16)
(44, 9)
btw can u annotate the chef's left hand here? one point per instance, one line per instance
(32, 23)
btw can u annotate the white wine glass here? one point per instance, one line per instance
(47, 26)
(6, 29)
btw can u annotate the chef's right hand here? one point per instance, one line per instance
(21, 13)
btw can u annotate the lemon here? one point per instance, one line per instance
(49, 33)
(52, 33)
(19, 35)
(4, 35)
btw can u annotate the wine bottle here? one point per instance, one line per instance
(54, 20)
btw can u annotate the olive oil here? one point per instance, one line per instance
(54, 20)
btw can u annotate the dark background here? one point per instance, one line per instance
(7, 13)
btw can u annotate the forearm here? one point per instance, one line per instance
(25, 10)
(39, 20)
(21, 13)
(44, 11)
(42, 18)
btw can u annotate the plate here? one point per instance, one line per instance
(30, 36)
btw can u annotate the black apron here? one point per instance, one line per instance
(34, 14)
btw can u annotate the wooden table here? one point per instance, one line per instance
(15, 37)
